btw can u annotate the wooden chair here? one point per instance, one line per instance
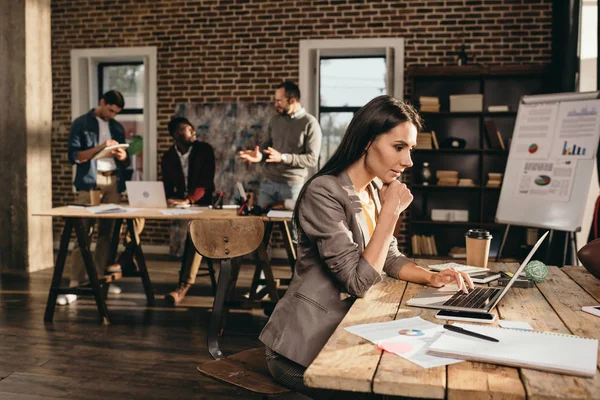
(222, 240)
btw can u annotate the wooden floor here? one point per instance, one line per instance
(145, 353)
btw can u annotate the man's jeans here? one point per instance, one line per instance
(274, 192)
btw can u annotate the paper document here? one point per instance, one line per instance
(578, 127)
(409, 338)
(105, 152)
(518, 348)
(549, 180)
(110, 209)
(459, 267)
(534, 130)
(280, 214)
(179, 211)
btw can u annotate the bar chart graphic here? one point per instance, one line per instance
(572, 150)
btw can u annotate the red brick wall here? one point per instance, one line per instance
(229, 51)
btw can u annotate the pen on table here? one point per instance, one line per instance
(469, 333)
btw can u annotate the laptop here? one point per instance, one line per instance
(482, 299)
(145, 194)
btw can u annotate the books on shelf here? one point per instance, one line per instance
(447, 177)
(466, 103)
(499, 108)
(493, 136)
(424, 141)
(458, 252)
(494, 179)
(429, 104)
(424, 245)
(435, 141)
(466, 182)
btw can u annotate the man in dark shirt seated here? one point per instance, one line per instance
(188, 172)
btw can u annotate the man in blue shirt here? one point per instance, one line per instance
(91, 133)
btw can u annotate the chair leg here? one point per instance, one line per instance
(217, 311)
(211, 274)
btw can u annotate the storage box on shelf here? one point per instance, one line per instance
(473, 170)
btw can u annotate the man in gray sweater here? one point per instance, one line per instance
(293, 146)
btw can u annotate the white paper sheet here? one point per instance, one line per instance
(534, 130)
(409, 338)
(280, 214)
(110, 209)
(577, 130)
(468, 269)
(548, 180)
(179, 211)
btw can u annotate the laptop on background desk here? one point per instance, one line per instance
(482, 299)
(146, 194)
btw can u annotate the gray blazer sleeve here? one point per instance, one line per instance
(323, 220)
(394, 260)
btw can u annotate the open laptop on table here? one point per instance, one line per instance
(480, 300)
(146, 194)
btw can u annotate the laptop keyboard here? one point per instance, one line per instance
(477, 298)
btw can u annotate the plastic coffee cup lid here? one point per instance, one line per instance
(478, 234)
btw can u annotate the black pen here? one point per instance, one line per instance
(469, 333)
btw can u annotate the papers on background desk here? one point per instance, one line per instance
(280, 214)
(459, 267)
(409, 338)
(110, 209)
(179, 211)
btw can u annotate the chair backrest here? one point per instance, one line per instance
(219, 239)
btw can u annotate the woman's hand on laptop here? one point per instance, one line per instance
(451, 275)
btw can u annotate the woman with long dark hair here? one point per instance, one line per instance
(345, 216)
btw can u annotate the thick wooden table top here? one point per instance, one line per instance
(149, 213)
(349, 362)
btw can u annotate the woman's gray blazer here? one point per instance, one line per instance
(330, 272)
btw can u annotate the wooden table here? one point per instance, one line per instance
(349, 362)
(98, 286)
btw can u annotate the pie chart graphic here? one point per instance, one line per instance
(532, 148)
(411, 332)
(542, 180)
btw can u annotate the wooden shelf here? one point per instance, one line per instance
(438, 187)
(499, 85)
(447, 151)
(489, 225)
(465, 114)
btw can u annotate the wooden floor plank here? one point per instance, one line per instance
(147, 353)
(349, 362)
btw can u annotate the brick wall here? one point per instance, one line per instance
(229, 51)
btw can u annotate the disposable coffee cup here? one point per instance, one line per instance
(478, 247)
(95, 197)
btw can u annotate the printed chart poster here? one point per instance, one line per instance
(578, 130)
(534, 130)
(548, 180)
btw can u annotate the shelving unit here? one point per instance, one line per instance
(500, 85)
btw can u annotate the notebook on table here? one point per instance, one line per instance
(544, 351)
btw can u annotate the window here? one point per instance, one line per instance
(339, 76)
(588, 50)
(346, 84)
(132, 71)
(128, 78)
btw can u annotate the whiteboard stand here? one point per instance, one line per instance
(570, 238)
(544, 123)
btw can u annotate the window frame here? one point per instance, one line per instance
(85, 90)
(101, 89)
